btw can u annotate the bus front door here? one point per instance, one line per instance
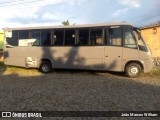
(113, 50)
(113, 58)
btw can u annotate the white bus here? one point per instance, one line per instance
(109, 47)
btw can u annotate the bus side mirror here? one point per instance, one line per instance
(138, 32)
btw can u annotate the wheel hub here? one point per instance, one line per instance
(45, 68)
(134, 70)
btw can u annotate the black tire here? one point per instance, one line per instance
(133, 70)
(45, 67)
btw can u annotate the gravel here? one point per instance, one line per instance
(79, 91)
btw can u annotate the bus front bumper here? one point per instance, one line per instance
(148, 65)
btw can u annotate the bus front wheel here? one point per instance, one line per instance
(45, 67)
(133, 70)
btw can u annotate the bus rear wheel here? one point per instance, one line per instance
(133, 70)
(45, 67)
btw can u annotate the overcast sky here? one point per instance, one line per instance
(20, 13)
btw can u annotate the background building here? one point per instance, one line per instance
(151, 35)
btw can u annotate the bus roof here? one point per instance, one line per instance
(70, 26)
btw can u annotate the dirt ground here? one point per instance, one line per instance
(65, 90)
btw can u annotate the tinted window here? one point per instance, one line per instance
(23, 34)
(83, 37)
(36, 35)
(115, 38)
(14, 40)
(58, 37)
(129, 40)
(141, 44)
(45, 37)
(70, 37)
(96, 37)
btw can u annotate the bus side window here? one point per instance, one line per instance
(23, 34)
(58, 37)
(23, 38)
(14, 39)
(83, 37)
(70, 37)
(115, 36)
(36, 35)
(45, 37)
(96, 37)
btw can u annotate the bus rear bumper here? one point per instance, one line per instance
(148, 65)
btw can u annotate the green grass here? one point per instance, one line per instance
(1, 40)
(1, 45)
(2, 66)
(154, 72)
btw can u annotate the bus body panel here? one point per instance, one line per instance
(14, 56)
(129, 55)
(147, 59)
(60, 57)
(78, 57)
(113, 58)
(148, 65)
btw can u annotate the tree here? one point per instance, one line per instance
(65, 23)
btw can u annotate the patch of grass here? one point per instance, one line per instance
(2, 66)
(8, 70)
(154, 72)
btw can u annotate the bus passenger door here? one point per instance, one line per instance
(113, 50)
(130, 49)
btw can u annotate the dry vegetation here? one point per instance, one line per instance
(8, 70)
(34, 72)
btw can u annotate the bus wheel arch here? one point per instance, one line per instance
(133, 68)
(45, 66)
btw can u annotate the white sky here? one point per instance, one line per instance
(20, 13)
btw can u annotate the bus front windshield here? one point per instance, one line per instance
(141, 44)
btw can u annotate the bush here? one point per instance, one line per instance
(1, 45)
(1, 40)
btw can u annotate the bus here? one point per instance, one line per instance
(105, 47)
